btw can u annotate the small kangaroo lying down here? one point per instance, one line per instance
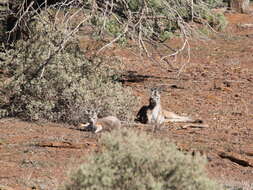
(96, 124)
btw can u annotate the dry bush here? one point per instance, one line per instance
(137, 161)
(48, 77)
(216, 3)
(236, 185)
(147, 22)
(153, 20)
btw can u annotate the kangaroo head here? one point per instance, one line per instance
(92, 117)
(154, 98)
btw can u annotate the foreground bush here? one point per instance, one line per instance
(48, 77)
(137, 161)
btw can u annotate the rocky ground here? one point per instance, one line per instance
(216, 85)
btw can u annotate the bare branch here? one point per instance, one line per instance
(114, 40)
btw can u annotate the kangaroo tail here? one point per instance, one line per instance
(183, 119)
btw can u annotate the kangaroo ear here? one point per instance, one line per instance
(153, 90)
(98, 110)
(160, 89)
(87, 111)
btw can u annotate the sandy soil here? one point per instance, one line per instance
(216, 86)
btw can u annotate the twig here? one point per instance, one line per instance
(114, 40)
(192, 125)
(20, 18)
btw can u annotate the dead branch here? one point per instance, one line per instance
(24, 13)
(192, 125)
(237, 158)
(114, 40)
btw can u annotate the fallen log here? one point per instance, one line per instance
(237, 158)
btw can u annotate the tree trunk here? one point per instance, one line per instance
(3, 22)
(241, 6)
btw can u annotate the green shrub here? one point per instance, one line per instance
(137, 161)
(49, 78)
(215, 3)
(153, 18)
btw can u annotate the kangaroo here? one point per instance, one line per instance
(96, 124)
(154, 114)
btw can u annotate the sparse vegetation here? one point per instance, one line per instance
(49, 78)
(239, 185)
(143, 21)
(138, 161)
(216, 3)
(152, 20)
(45, 75)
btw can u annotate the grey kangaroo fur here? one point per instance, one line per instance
(155, 114)
(96, 124)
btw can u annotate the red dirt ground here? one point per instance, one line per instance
(216, 86)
